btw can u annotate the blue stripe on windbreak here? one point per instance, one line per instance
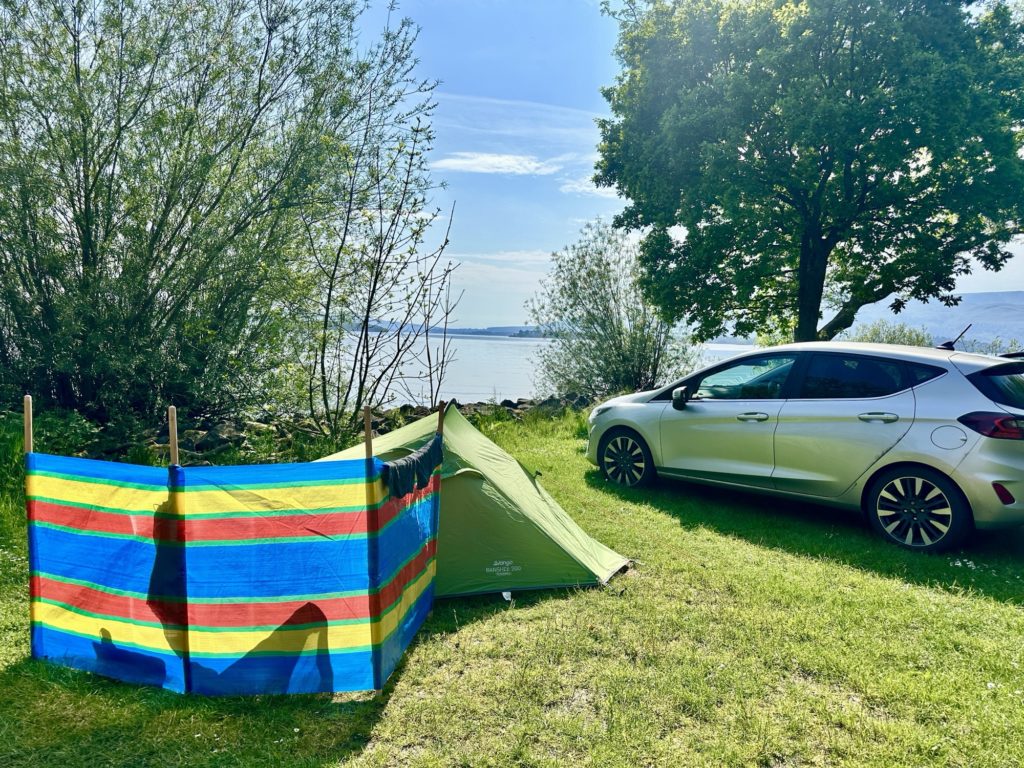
(105, 658)
(115, 472)
(392, 650)
(254, 675)
(123, 564)
(405, 536)
(271, 475)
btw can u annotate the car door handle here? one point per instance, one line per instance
(752, 416)
(885, 418)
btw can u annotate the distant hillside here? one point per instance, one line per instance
(498, 330)
(993, 314)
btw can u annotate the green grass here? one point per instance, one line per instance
(749, 632)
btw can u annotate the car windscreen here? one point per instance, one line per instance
(1003, 384)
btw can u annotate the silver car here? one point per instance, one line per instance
(928, 442)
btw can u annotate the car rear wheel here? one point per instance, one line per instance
(625, 459)
(919, 508)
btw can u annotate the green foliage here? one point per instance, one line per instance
(155, 159)
(996, 346)
(606, 338)
(772, 148)
(889, 332)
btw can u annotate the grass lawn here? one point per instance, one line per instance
(750, 632)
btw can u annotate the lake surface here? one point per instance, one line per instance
(503, 368)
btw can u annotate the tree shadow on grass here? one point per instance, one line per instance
(53, 715)
(989, 564)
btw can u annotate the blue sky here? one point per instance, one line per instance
(516, 140)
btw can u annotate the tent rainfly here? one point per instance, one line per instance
(498, 530)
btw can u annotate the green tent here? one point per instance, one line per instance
(498, 529)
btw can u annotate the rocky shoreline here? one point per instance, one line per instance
(205, 443)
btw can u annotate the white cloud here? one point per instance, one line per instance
(534, 122)
(490, 162)
(520, 258)
(582, 185)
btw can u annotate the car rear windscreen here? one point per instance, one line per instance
(1003, 384)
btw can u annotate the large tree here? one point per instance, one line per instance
(165, 169)
(783, 153)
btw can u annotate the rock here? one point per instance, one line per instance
(222, 434)
(509, 404)
(550, 406)
(190, 438)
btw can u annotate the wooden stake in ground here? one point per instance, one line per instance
(28, 423)
(172, 431)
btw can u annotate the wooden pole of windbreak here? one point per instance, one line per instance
(368, 431)
(172, 431)
(372, 550)
(28, 423)
(440, 417)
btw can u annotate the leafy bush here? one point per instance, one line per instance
(606, 338)
(888, 332)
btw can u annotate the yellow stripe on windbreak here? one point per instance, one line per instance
(289, 497)
(311, 497)
(340, 637)
(109, 631)
(96, 493)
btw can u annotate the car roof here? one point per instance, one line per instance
(964, 361)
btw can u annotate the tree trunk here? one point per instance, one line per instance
(810, 286)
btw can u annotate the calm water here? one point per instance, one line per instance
(501, 367)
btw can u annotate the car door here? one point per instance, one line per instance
(725, 431)
(846, 412)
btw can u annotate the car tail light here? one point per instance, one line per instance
(1002, 426)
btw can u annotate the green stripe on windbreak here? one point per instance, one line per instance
(207, 515)
(97, 480)
(232, 600)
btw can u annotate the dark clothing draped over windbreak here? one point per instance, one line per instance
(413, 472)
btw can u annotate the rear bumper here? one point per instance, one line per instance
(994, 461)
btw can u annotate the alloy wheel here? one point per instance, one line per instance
(914, 511)
(624, 461)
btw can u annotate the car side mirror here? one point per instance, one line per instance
(680, 395)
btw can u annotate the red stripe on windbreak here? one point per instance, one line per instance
(94, 521)
(230, 614)
(226, 528)
(96, 601)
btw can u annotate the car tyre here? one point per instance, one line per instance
(625, 459)
(918, 508)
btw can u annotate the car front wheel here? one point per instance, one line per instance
(919, 508)
(625, 459)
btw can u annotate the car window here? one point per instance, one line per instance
(753, 378)
(1003, 384)
(919, 373)
(831, 376)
